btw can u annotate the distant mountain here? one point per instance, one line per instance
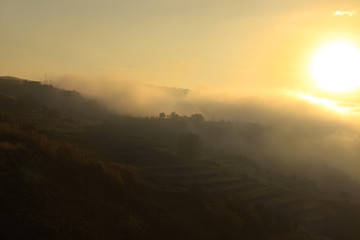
(31, 100)
(176, 92)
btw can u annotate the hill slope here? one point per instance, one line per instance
(133, 184)
(51, 190)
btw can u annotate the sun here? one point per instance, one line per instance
(336, 67)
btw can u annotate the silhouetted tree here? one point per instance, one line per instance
(162, 115)
(197, 117)
(174, 115)
(189, 145)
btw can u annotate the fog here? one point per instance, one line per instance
(293, 131)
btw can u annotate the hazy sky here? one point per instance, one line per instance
(182, 43)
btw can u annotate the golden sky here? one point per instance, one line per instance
(178, 43)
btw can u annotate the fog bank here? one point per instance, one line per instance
(294, 130)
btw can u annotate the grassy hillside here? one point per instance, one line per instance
(52, 190)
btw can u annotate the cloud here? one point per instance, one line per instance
(124, 96)
(345, 13)
(286, 127)
(341, 107)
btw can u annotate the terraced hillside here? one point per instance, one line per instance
(54, 190)
(295, 200)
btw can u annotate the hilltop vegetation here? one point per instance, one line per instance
(70, 169)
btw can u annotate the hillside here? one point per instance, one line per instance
(70, 169)
(52, 190)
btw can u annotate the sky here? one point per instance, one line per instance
(179, 43)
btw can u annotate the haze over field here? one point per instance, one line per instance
(231, 60)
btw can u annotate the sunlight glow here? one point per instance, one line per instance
(330, 104)
(336, 67)
(345, 13)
